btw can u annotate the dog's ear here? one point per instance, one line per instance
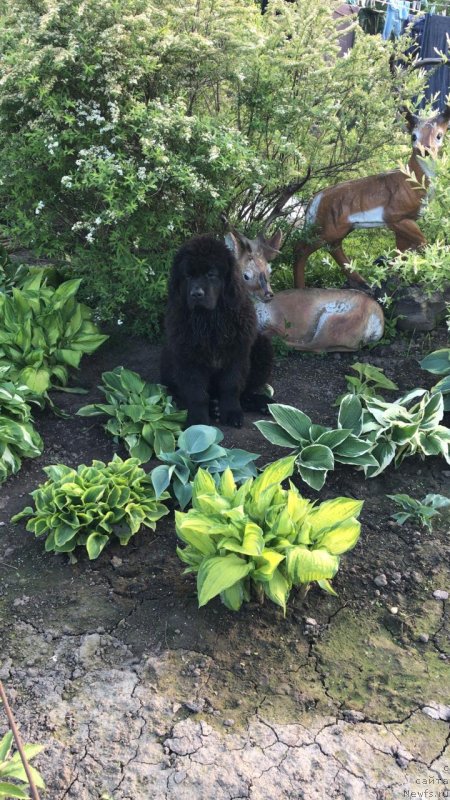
(233, 287)
(176, 282)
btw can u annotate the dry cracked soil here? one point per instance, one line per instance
(136, 694)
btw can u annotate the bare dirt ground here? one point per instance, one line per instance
(137, 694)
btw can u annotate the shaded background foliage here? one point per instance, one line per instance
(127, 126)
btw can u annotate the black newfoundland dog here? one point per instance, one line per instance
(214, 357)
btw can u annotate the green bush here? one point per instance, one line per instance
(87, 506)
(126, 126)
(44, 331)
(18, 437)
(421, 512)
(198, 447)
(141, 413)
(262, 536)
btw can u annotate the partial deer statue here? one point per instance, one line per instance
(387, 200)
(307, 319)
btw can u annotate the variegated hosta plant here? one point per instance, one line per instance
(142, 414)
(400, 429)
(262, 536)
(44, 331)
(317, 448)
(89, 505)
(18, 437)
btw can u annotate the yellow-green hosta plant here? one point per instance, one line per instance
(262, 536)
(89, 505)
(44, 331)
(18, 437)
(11, 768)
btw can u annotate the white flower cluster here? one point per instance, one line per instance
(66, 181)
(39, 207)
(141, 173)
(51, 144)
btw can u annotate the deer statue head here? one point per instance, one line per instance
(427, 135)
(254, 257)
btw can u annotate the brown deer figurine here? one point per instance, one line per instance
(388, 200)
(307, 319)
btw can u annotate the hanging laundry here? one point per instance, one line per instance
(436, 37)
(396, 13)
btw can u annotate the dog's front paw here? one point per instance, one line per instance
(256, 403)
(214, 411)
(234, 418)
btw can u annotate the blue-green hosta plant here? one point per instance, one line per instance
(262, 536)
(18, 437)
(89, 505)
(11, 768)
(198, 446)
(438, 363)
(420, 511)
(142, 414)
(44, 331)
(317, 448)
(399, 429)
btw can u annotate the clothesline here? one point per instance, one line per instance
(415, 5)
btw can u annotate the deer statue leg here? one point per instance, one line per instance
(301, 253)
(408, 235)
(342, 260)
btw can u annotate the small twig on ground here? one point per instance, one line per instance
(18, 741)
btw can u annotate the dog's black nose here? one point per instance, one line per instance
(197, 293)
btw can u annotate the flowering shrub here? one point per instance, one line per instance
(126, 126)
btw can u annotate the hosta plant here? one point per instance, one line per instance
(18, 437)
(438, 363)
(198, 446)
(317, 448)
(262, 536)
(44, 331)
(399, 429)
(141, 414)
(11, 768)
(419, 511)
(368, 381)
(89, 505)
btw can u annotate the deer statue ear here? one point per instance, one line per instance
(411, 119)
(270, 247)
(232, 244)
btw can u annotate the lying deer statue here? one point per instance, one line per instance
(388, 200)
(308, 319)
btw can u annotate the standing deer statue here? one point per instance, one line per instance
(388, 200)
(307, 319)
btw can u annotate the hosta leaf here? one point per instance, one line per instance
(437, 362)
(5, 745)
(233, 597)
(203, 483)
(68, 356)
(218, 573)
(273, 474)
(384, 453)
(197, 438)
(38, 380)
(333, 439)
(9, 790)
(433, 412)
(313, 477)
(350, 413)
(277, 589)
(292, 420)
(342, 538)
(196, 530)
(252, 542)
(332, 513)
(182, 493)
(142, 451)
(327, 587)
(164, 441)
(95, 544)
(304, 565)
(227, 485)
(275, 434)
(316, 456)
(160, 477)
(266, 564)
(352, 446)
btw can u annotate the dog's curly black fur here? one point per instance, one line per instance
(214, 356)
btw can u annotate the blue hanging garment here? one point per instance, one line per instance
(397, 12)
(436, 36)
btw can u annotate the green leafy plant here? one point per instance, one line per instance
(398, 430)
(438, 363)
(367, 381)
(198, 446)
(44, 331)
(262, 536)
(421, 512)
(11, 767)
(18, 437)
(88, 505)
(141, 414)
(317, 448)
